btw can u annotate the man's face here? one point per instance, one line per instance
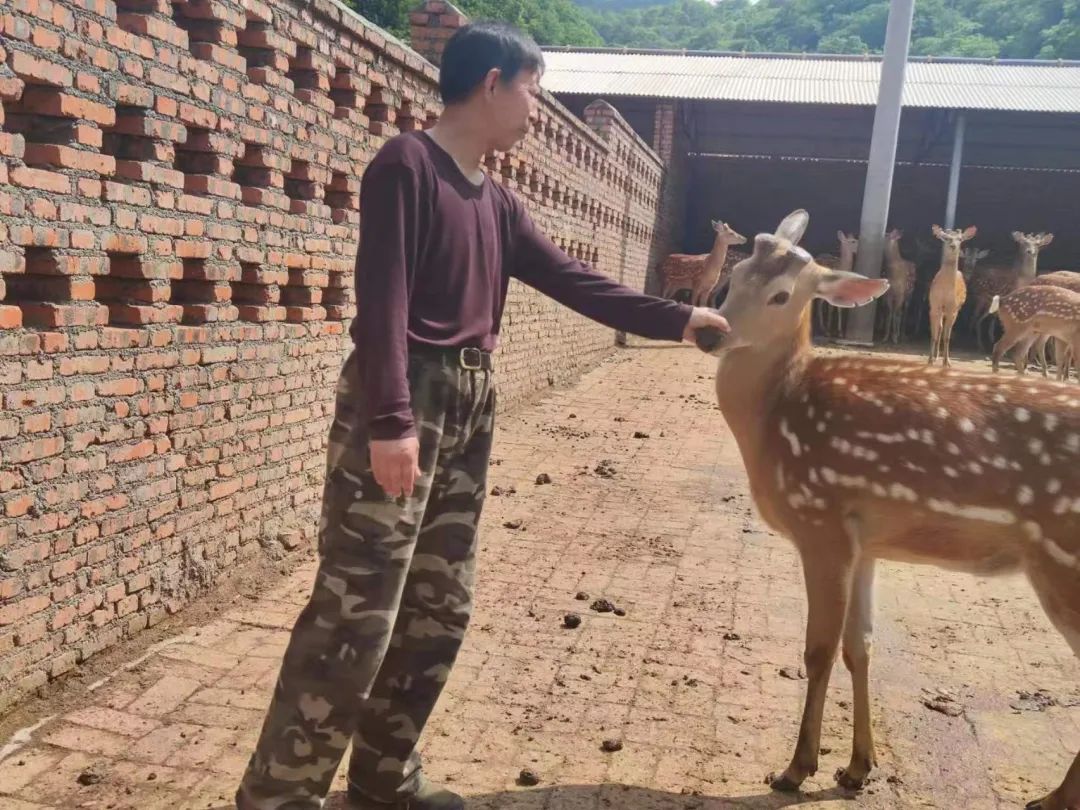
(512, 107)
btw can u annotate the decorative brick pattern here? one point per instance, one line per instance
(179, 205)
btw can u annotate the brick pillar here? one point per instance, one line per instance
(664, 131)
(431, 24)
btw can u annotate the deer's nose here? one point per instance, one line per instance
(708, 338)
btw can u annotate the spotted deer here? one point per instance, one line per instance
(831, 319)
(700, 273)
(1037, 343)
(862, 458)
(1000, 281)
(1037, 309)
(947, 291)
(901, 275)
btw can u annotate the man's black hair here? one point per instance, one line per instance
(475, 49)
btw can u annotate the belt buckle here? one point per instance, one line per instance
(465, 364)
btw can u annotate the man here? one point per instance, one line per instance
(411, 438)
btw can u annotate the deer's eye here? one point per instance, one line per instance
(780, 298)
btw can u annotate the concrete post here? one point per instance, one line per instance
(954, 171)
(879, 169)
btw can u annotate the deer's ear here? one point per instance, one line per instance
(715, 224)
(849, 289)
(969, 232)
(1045, 239)
(794, 226)
(1017, 236)
(936, 231)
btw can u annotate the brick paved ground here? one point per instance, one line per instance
(688, 679)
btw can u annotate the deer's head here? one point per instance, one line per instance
(953, 239)
(1031, 243)
(971, 257)
(848, 241)
(771, 291)
(728, 234)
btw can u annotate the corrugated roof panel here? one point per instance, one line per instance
(1031, 87)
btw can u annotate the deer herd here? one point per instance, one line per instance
(859, 458)
(1030, 320)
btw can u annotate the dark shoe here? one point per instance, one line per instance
(428, 796)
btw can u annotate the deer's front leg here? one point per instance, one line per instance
(950, 321)
(828, 583)
(858, 642)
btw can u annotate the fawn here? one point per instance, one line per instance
(700, 273)
(947, 291)
(863, 458)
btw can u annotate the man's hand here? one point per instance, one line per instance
(702, 316)
(396, 465)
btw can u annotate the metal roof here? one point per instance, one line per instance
(813, 79)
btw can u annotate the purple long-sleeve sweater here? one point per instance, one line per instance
(436, 256)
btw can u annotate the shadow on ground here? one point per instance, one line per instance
(617, 797)
(623, 797)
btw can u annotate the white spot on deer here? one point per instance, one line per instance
(879, 490)
(1032, 529)
(780, 477)
(1025, 496)
(913, 434)
(1060, 555)
(1035, 446)
(953, 448)
(820, 427)
(839, 381)
(1001, 462)
(999, 398)
(949, 471)
(813, 476)
(984, 513)
(1022, 415)
(829, 475)
(1050, 421)
(975, 467)
(990, 435)
(901, 493)
(1045, 460)
(793, 440)
(810, 412)
(1061, 506)
(1072, 442)
(796, 501)
(967, 425)
(1053, 486)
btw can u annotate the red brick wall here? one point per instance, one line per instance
(178, 216)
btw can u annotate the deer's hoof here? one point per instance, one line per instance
(848, 780)
(782, 783)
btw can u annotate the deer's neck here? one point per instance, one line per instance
(892, 252)
(1025, 265)
(752, 381)
(847, 259)
(950, 264)
(717, 256)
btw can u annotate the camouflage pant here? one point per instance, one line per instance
(372, 650)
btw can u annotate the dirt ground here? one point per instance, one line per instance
(647, 507)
